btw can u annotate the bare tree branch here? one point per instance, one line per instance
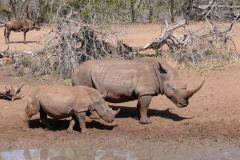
(11, 93)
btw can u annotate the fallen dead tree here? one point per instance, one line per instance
(211, 41)
(11, 93)
(167, 37)
(73, 42)
(61, 50)
(3, 54)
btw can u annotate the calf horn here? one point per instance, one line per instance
(190, 93)
(116, 112)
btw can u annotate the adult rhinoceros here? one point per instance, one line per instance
(127, 80)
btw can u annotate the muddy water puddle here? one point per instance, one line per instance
(101, 154)
(65, 154)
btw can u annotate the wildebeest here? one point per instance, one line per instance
(127, 80)
(65, 101)
(22, 25)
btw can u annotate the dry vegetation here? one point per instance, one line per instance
(73, 40)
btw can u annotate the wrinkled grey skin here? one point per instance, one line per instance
(140, 79)
(64, 101)
(22, 25)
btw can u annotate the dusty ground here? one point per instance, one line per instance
(209, 128)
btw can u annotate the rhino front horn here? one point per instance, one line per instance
(190, 93)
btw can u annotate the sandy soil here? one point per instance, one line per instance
(209, 128)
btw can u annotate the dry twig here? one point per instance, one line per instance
(11, 93)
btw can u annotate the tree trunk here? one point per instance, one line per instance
(12, 5)
(171, 9)
(40, 12)
(150, 12)
(133, 12)
(23, 8)
(188, 11)
(231, 9)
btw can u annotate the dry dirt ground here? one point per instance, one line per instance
(209, 128)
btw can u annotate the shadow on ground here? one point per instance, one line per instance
(127, 112)
(60, 125)
(23, 42)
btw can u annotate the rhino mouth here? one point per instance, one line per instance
(109, 121)
(180, 104)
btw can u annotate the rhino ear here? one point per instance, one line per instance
(162, 69)
(104, 95)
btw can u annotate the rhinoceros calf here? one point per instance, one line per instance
(64, 101)
(140, 79)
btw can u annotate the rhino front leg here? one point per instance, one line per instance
(81, 119)
(43, 118)
(26, 119)
(30, 111)
(143, 103)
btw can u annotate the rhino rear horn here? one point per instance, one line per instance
(190, 93)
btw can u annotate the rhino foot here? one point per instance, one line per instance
(145, 121)
(47, 128)
(70, 131)
(85, 131)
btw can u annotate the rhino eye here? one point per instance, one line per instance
(173, 89)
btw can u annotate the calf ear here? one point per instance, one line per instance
(104, 95)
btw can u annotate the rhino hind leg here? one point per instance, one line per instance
(81, 119)
(143, 103)
(72, 124)
(26, 119)
(7, 40)
(43, 118)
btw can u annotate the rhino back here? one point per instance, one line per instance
(60, 101)
(92, 95)
(82, 75)
(126, 78)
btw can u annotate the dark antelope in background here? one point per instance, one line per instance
(22, 25)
